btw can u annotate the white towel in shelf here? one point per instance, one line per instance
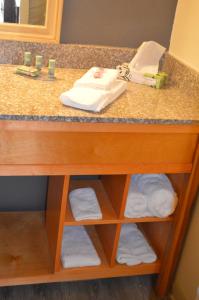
(133, 248)
(136, 206)
(84, 204)
(150, 195)
(162, 199)
(77, 248)
(104, 81)
(92, 99)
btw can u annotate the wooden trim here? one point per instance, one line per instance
(39, 170)
(179, 226)
(50, 32)
(96, 127)
(55, 215)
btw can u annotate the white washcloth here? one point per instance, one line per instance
(77, 248)
(150, 195)
(162, 199)
(84, 204)
(146, 60)
(92, 99)
(105, 81)
(133, 248)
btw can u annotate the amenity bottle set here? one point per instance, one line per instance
(28, 70)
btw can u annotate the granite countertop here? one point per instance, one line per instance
(23, 98)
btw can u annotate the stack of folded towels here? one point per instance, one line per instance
(77, 248)
(84, 204)
(150, 195)
(95, 90)
(133, 248)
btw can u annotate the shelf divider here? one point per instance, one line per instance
(55, 216)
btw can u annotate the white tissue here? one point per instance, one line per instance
(146, 60)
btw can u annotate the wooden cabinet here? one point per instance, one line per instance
(30, 248)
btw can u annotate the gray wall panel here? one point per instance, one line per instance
(117, 22)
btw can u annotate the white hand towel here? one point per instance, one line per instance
(84, 204)
(104, 81)
(77, 248)
(92, 99)
(162, 199)
(133, 248)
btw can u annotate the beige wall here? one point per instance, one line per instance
(185, 35)
(187, 277)
(185, 46)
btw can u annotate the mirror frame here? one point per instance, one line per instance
(49, 33)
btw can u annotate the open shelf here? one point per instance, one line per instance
(104, 269)
(108, 213)
(23, 245)
(147, 219)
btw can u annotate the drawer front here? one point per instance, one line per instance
(88, 148)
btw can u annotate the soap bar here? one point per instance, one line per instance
(28, 71)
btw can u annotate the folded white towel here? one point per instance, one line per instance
(150, 195)
(133, 248)
(84, 204)
(91, 79)
(162, 199)
(77, 248)
(92, 99)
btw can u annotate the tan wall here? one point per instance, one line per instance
(185, 46)
(185, 35)
(187, 277)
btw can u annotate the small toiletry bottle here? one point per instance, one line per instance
(38, 62)
(51, 69)
(27, 59)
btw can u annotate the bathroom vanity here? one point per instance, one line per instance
(144, 131)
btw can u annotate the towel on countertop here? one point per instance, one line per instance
(150, 195)
(77, 248)
(92, 99)
(133, 248)
(98, 78)
(84, 204)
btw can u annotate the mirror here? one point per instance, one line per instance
(31, 12)
(31, 20)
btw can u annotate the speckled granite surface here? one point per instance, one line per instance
(66, 55)
(28, 99)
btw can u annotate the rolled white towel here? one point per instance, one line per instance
(133, 248)
(136, 205)
(98, 78)
(84, 204)
(162, 199)
(77, 248)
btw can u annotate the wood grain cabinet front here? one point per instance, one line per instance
(97, 148)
